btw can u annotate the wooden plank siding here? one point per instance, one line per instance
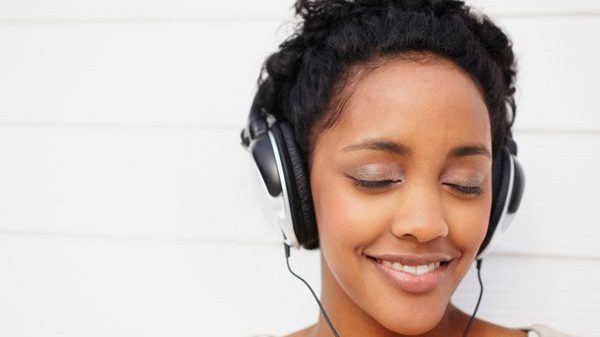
(126, 202)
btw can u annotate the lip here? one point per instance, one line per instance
(411, 283)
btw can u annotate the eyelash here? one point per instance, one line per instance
(470, 190)
(374, 183)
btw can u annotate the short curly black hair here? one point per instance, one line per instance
(301, 81)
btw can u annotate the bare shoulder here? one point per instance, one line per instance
(484, 328)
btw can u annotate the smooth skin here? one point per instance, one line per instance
(387, 178)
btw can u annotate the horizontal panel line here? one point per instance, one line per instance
(110, 125)
(557, 131)
(520, 255)
(134, 19)
(549, 14)
(228, 19)
(253, 242)
(134, 238)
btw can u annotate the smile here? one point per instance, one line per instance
(413, 274)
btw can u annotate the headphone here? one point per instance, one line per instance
(284, 175)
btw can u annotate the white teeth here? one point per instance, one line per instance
(415, 270)
(421, 269)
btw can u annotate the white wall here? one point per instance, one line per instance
(125, 204)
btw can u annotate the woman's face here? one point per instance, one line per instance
(401, 186)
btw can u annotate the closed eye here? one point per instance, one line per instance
(470, 190)
(374, 183)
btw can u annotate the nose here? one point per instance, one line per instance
(420, 214)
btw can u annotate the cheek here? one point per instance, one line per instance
(468, 223)
(343, 218)
(346, 218)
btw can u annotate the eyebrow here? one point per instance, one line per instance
(380, 145)
(403, 150)
(469, 150)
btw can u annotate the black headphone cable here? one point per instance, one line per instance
(287, 261)
(478, 266)
(332, 328)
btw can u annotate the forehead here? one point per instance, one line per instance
(425, 101)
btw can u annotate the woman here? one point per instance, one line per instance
(377, 125)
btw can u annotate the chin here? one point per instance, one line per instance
(414, 323)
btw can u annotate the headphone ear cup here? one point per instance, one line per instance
(500, 187)
(295, 171)
(508, 184)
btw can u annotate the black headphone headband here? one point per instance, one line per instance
(256, 124)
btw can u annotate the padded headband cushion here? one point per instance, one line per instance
(298, 186)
